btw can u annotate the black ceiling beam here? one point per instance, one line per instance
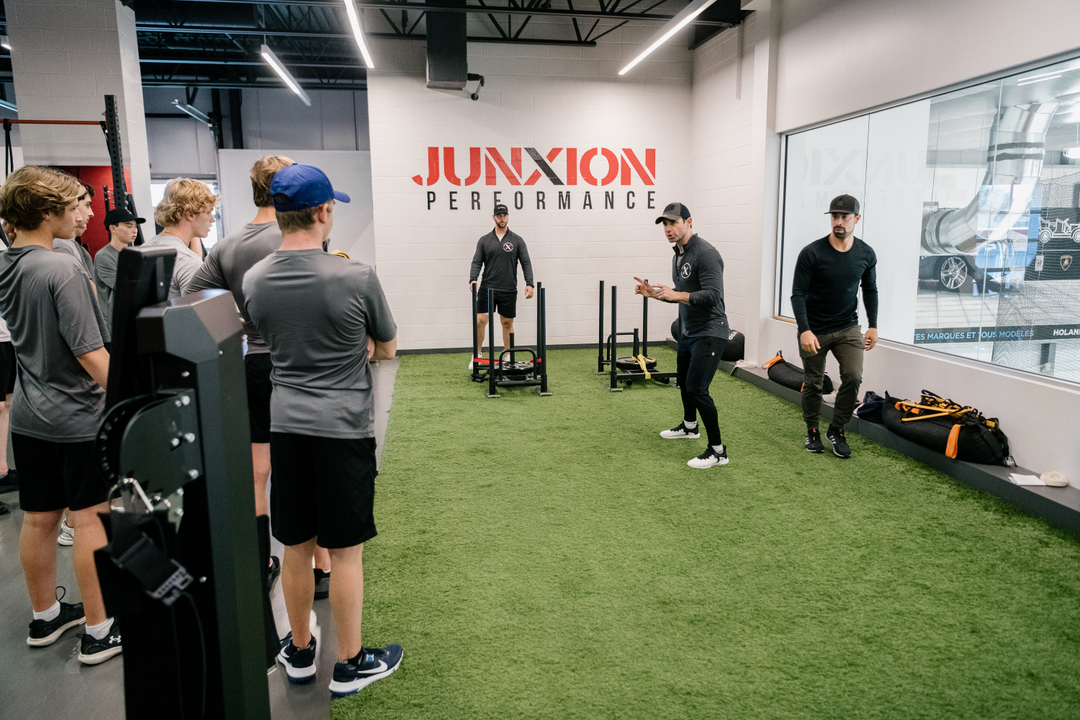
(256, 32)
(227, 84)
(475, 9)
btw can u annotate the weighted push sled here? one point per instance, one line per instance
(506, 370)
(627, 369)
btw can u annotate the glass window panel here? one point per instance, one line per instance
(972, 202)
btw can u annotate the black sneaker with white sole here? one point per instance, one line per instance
(813, 441)
(709, 458)
(46, 632)
(839, 442)
(94, 652)
(680, 431)
(299, 663)
(369, 665)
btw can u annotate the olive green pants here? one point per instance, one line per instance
(847, 347)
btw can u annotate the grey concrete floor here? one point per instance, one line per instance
(51, 683)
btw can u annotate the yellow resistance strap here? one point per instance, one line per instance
(641, 361)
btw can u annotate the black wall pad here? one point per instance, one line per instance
(1059, 507)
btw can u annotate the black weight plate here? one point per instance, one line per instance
(517, 368)
(628, 363)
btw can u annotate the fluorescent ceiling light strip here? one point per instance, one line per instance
(5, 42)
(674, 25)
(1029, 81)
(8, 106)
(285, 75)
(354, 21)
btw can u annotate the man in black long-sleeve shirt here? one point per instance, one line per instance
(697, 272)
(499, 253)
(824, 296)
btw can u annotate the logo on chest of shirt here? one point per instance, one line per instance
(508, 246)
(685, 270)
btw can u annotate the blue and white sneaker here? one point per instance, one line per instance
(368, 666)
(299, 663)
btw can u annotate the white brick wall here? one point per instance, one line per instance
(721, 113)
(64, 75)
(534, 96)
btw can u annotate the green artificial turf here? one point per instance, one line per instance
(555, 558)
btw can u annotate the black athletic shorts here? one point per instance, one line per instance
(324, 488)
(257, 368)
(7, 369)
(55, 475)
(505, 302)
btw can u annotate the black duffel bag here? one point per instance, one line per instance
(791, 376)
(871, 408)
(957, 431)
(734, 350)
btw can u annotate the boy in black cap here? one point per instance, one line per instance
(499, 253)
(697, 271)
(123, 228)
(824, 297)
(322, 317)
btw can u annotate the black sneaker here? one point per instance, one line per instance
(839, 442)
(813, 441)
(44, 632)
(272, 573)
(368, 666)
(299, 663)
(709, 458)
(322, 584)
(93, 651)
(9, 481)
(680, 431)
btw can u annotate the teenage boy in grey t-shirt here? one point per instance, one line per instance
(322, 317)
(225, 267)
(123, 228)
(59, 335)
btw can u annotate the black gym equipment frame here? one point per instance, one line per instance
(638, 366)
(503, 372)
(185, 585)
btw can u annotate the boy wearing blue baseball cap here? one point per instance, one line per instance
(323, 317)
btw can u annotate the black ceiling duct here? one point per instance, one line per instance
(447, 47)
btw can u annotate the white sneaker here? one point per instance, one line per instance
(67, 534)
(680, 431)
(709, 458)
(478, 357)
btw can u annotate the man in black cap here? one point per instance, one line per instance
(697, 271)
(824, 296)
(123, 228)
(499, 253)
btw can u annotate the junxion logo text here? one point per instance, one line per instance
(595, 166)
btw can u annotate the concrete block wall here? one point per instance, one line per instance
(60, 75)
(541, 97)
(721, 116)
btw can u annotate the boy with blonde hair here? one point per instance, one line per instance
(59, 334)
(185, 214)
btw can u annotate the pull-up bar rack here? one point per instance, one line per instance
(110, 126)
